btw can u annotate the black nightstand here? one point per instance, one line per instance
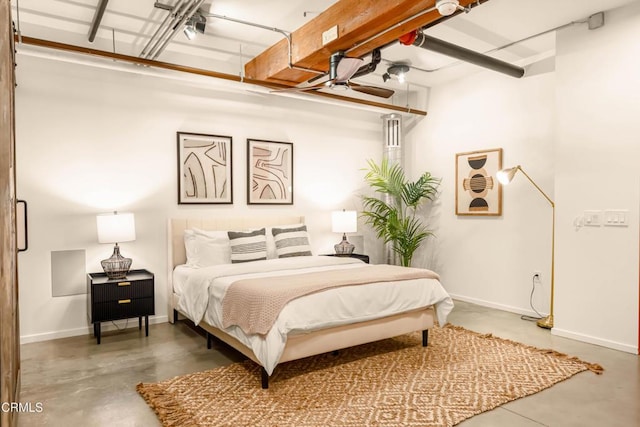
(114, 299)
(364, 258)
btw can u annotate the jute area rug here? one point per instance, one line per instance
(395, 382)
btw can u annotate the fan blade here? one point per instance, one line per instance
(300, 89)
(347, 67)
(372, 90)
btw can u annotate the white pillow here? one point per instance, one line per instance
(190, 247)
(206, 248)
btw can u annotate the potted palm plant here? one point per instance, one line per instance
(393, 216)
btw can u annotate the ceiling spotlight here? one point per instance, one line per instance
(398, 70)
(447, 7)
(190, 32)
(194, 25)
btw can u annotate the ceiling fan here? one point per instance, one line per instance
(341, 69)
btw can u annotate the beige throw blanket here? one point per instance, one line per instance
(254, 304)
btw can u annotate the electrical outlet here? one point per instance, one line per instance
(537, 276)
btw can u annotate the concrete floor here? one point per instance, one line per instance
(81, 383)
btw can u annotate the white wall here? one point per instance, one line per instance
(575, 131)
(490, 260)
(597, 167)
(91, 140)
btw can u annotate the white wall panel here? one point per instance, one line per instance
(598, 155)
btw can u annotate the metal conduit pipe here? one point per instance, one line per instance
(163, 27)
(167, 29)
(393, 153)
(495, 49)
(240, 21)
(445, 48)
(97, 19)
(190, 12)
(170, 30)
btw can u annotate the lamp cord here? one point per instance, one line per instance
(531, 318)
(119, 328)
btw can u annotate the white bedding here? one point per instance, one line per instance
(200, 297)
(180, 275)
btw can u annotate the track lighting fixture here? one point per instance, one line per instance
(194, 25)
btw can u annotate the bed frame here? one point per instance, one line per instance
(298, 345)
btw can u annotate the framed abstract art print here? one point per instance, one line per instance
(477, 190)
(204, 169)
(269, 172)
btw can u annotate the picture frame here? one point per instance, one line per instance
(204, 169)
(478, 192)
(269, 172)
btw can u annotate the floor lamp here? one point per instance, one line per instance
(505, 176)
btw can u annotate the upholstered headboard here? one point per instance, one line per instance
(177, 254)
(176, 250)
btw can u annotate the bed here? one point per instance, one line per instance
(310, 324)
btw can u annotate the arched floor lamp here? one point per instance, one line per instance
(505, 176)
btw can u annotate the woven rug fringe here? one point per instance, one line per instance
(169, 411)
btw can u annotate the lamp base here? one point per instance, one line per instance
(344, 247)
(546, 322)
(117, 266)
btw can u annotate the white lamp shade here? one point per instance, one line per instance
(344, 222)
(116, 227)
(505, 176)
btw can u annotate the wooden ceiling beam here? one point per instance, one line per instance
(362, 27)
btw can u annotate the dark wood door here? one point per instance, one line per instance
(9, 330)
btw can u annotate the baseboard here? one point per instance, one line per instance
(87, 330)
(509, 308)
(595, 340)
(554, 331)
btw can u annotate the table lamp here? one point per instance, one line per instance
(116, 228)
(344, 222)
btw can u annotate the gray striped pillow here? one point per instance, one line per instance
(291, 242)
(248, 245)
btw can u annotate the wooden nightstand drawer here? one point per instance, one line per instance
(122, 309)
(124, 289)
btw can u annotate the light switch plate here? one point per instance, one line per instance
(592, 218)
(616, 218)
